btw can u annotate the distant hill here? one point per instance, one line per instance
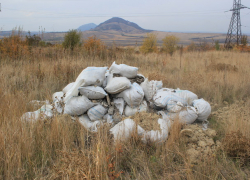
(121, 25)
(87, 27)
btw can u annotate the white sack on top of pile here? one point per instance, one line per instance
(89, 76)
(133, 96)
(44, 112)
(124, 70)
(68, 87)
(92, 92)
(132, 111)
(164, 96)
(203, 108)
(77, 106)
(97, 112)
(119, 104)
(124, 130)
(117, 85)
(89, 125)
(105, 82)
(187, 115)
(150, 88)
(187, 95)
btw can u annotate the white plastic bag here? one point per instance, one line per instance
(187, 95)
(203, 108)
(187, 115)
(93, 92)
(105, 82)
(132, 111)
(117, 85)
(124, 129)
(159, 135)
(77, 105)
(124, 70)
(97, 112)
(89, 125)
(57, 96)
(150, 88)
(108, 118)
(119, 104)
(89, 76)
(68, 87)
(133, 96)
(44, 112)
(174, 107)
(162, 98)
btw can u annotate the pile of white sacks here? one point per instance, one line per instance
(101, 95)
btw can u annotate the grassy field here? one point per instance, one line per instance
(60, 148)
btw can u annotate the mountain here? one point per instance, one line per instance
(121, 25)
(87, 27)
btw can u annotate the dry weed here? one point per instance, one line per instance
(237, 146)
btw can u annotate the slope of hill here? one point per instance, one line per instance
(87, 27)
(121, 25)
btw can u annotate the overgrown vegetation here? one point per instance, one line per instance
(170, 44)
(72, 39)
(149, 44)
(60, 148)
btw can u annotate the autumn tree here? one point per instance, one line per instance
(149, 44)
(170, 44)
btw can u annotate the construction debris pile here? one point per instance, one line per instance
(125, 99)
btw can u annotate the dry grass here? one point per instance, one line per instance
(62, 149)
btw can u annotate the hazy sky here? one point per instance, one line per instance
(164, 15)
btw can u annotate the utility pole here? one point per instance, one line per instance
(234, 30)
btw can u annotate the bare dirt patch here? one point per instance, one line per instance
(199, 143)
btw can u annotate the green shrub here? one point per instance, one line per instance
(72, 39)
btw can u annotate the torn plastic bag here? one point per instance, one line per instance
(124, 70)
(133, 96)
(93, 92)
(174, 107)
(150, 88)
(162, 98)
(119, 104)
(89, 125)
(159, 135)
(124, 130)
(44, 112)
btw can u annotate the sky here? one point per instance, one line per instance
(162, 15)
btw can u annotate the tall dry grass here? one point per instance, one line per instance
(61, 149)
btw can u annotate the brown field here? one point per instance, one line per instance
(60, 148)
(124, 39)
